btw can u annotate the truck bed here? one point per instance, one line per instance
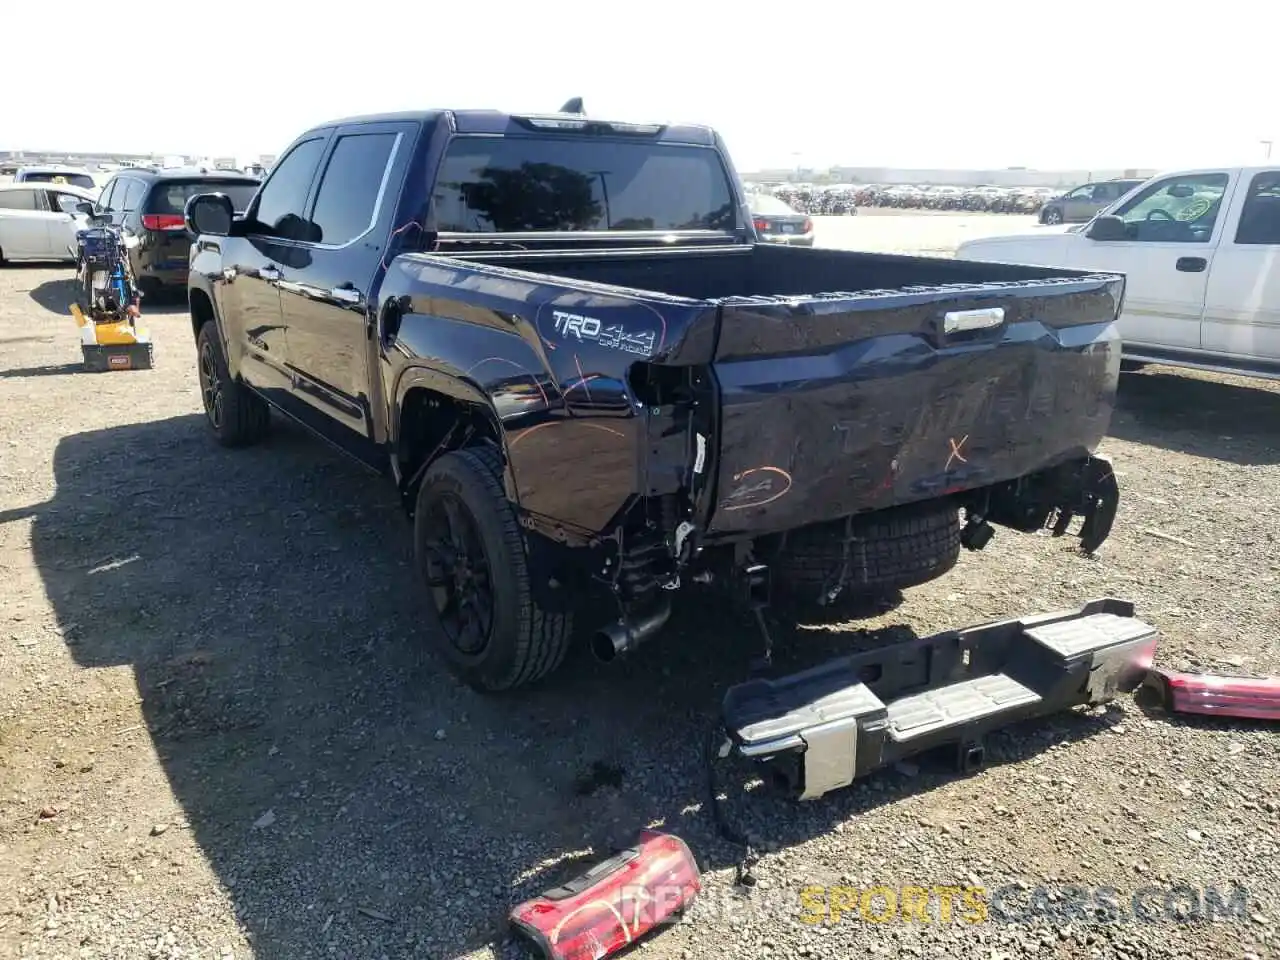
(761, 270)
(838, 385)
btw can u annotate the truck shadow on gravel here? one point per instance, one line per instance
(324, 758)
(1203, 418)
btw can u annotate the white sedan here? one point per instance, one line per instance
(38, 221)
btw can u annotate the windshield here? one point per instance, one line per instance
(171, 196)
(765, 204)
(82, 180)
(518, 184)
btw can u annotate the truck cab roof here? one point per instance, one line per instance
(498, 122)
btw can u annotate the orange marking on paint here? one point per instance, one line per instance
(760, 503)
(955, 451)
(550, 423)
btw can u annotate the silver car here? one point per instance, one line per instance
(776, 222)
(1082, 203)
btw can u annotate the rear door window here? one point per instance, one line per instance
(18, 200)
(346, 202)
(1260, 218)
(521, 184)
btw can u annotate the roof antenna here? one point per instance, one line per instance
(573, 106)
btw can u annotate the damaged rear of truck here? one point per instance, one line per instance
(789, 425)
(594, 388)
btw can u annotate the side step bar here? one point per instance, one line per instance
(822, 728)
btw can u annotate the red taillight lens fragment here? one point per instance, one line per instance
(613, 904)
(762, 226)
(163, 221)
(808, 225)
(1249, 698)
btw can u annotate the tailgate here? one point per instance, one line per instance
(839, 403)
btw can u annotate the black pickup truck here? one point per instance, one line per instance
(560, 338)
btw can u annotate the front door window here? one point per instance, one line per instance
(1181, 209)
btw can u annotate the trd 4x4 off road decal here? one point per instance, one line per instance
(614, 337)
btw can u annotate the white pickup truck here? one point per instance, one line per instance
(1201, 252)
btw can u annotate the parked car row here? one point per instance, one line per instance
(815, 201)
(977, 199)
(41, 212)
(846, 198)
(1052, 206)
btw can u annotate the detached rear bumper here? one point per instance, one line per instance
(821, 729)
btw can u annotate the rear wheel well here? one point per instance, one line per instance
(201, 311)
(433, 424)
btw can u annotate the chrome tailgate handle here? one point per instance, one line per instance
(958, 321)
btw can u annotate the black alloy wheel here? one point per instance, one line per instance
(210, 385)
(458, 574)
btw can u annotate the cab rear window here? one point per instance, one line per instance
(533, 184)
(171, 196)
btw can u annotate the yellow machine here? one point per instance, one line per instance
(106, 311)
(112, 343)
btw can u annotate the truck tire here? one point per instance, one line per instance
(470, 554)
(897, 548)
(237, 415)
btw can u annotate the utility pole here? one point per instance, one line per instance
(1267, 144)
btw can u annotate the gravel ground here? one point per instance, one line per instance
(221, 736)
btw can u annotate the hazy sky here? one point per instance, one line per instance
(971, 84)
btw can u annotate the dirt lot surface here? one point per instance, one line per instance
(221, 735)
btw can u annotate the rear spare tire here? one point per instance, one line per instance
(890, 550)
(470, 552)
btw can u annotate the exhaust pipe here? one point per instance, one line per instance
(625, 635)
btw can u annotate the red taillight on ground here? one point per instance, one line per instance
(1251, 698)
(163, 221)
(762, 226)
(613, 904)
(808, 225)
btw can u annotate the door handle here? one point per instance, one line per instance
(1191, 264)
(345, 295)
(269, 273)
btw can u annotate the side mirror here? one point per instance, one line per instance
(210, 214)
(1181, 191)
(1107, 228)
(85, 207)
